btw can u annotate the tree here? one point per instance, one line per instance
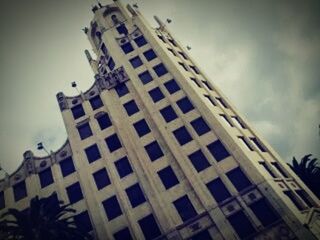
(45, 219)
(309, 171)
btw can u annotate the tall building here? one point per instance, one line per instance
(156, 151)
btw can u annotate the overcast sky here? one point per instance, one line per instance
(264, 55)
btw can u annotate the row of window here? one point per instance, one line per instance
(78, 111)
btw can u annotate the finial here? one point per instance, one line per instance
(135, 5)
(85, 30)
(169, 20)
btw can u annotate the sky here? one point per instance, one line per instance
(264, 55)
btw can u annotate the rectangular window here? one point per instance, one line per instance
(196, 71)
(123, 167)
(185, 208)
(77, 111)
(121, 89)
(19, 191)
(172, 42)
(140, 41)
(149, 55)
(168, 177)
(122, 29)
(185, 105)
(172, 86)
(199, 160)
(104, 121)
(136, 62)
(226, 120)
(131, 107)
(161, 38)
(113, 143)
(67, 167)
(171, 50)
(183, 55)
(84, 131)
(218, 151)
(135, 195)
(154, 151)
(46, 177)
(2, 200)
(239, 180)
(83, 222)
(258, 144)
(203, 235)
(264, 212)
(112, 207)
(111, 64)
(156, 94)
(145, 77)
(207, 85)
(245, 143)
(222, 103)
(141, 128)
(242, 225)
(237, 121)
(280, 169)
(123, 234)
(96, 102)
(294, 199)
(127, 47)
(149, 227)
(101, 178)
(74, 193)
(218, 190)
(266, 167)
(209, 99)
(104, 49)
(183, 66)
(168, 114)
(160, 69)
(182, 135)
(195, 82)
(200, 126)
(305, 197)
(92, 153)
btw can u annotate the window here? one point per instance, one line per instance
(154, 151)
(266, 167)
(156, 94)
(111, 64)
(258, 144)
(136, 62)
(123, 167)
(185, 105)
(104, 49)
(294, 199)
(74, 193)
(104, 121)
(67, 167)
(238, 179)
(218, 151)
(123, 234)
(237, 121)
(183, 55)
(172, 86)
(83, 222)
(280, 169)
(45, 177)
(200, 126)
(172, 42)
(77, 111)
(2, 200)
(245, 143)
(101, 178)
(194, 69)
(135, 195)
(207, 85)
(171, 50)
(84, 131)
(131, 107)
(184, 66)
(145, 77)
(304, 196)
(241, 224)
(112, 208)
(113, 143)
(195, 82)
(96, 102)
(203, 235)
(149, 227)
(185, 208)
(19, 191)
(141, 127)
(218, 190)
(92, 153)
(122, 29)
(121, 89)
(209, 99)
(161, 38)
(160, 69)
(222, 103)
(140, 41)
(226, 120)
(182, 135)
(168, 177)
(168, 114)
(264, 212)
(149, 55)
(199, 160)
(127, 47)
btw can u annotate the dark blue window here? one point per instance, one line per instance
(84, 131)
(200, 126)
(112, 208)
(172, 86)
(168, 114)
(258, 144)
(74, 193)
(185, 208)
(136, 62)
(135, 195)
(46, 177)
(96, 102)
(145, 77)
(113, 142)
(127, 47)
(149, 227)
(182, 135)
(19, 191)
(67, 166)
(140, 41)
(160, 69)
(123, 167)
(241, 224)
(149, 55)
(2, 200)
(185, 105)
(121, 89)
(53, 201)
(92, 153)
(77, 111)
(238, 179)
(199, 160)
(104, 49)
(123, 234)
(131, 107)
(218, 190)
(101, 178)
(264, 212)
(83, 222)
(218, 151)
(203, 235)
(142, 127)
(156, 94)
(122, 29)
(154, 151)
(168, 177)
(111, 64)
(104, 121)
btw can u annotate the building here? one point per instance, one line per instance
(156, 151)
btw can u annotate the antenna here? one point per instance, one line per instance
(74, 85)
(40, 146)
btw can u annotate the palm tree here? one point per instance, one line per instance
(309, 171)
(45, 219)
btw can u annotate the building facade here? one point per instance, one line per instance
(156, 151)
